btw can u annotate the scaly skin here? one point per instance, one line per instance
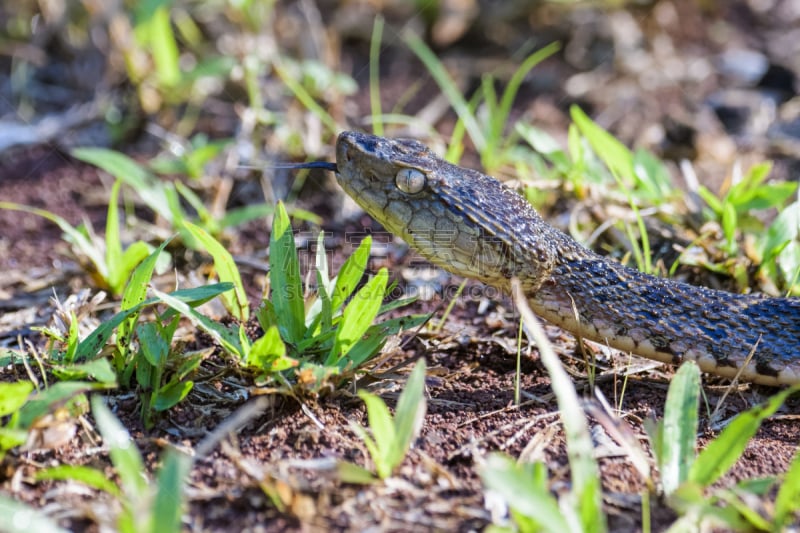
(472, 225)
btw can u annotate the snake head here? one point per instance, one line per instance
(460, 219)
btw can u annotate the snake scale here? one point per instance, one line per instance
(474, 226)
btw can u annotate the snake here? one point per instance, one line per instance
(474, 226)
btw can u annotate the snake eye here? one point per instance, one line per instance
(410, 180)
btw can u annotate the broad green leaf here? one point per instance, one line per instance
(721, 453)
(124, 455)
(677, 448)
(235, 302)
(269, 353)
(357, 317)
(153, 346)
(171, 394)
(13, 396)
(286, 287)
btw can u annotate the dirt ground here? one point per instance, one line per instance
(653, 93)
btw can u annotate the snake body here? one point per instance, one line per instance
(474, 226)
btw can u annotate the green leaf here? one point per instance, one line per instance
(358, 315)
(269, 353)
(91, 477)
(171, 394)
(787, 503)
(98, 338)
(73, 235)
(448, 87)
(122, 167)
(614, 154)
(136, 291)
(352, 473)
(725, 450)
(383, 431)
(677, 449)
(409, 413)
(124, 455)
(350, 274)
(13, 396)
(286, 288)
(164, 48)
(113, 242)
(169, 503)
(522, 486)
(45, 401)
(153, 346)
(99, 369)
(222, 334)
(235, 302)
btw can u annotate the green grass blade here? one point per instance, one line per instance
(617, 157)
(91, 477)
(383, 431)
(409, 414)
(305, 98)
(235, 301)
(374, 75)
(113, 243)
(586, 493)
(286, 287)
(136, 289)
(164, 48)
(358, 315)
(721, 453)
(677, 448)
(350, 274)
(169, 501)
(787, 503)
(228, 339)
(122, 167)
(525, 492)
(448, 87)
(73, 235)
(123, 451)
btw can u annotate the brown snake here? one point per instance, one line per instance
(472, 225)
